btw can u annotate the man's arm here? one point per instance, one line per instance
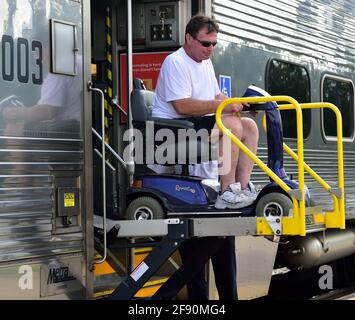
(195, 107)
(35, 113)
(221, 96)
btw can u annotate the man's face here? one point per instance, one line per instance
(201, 46)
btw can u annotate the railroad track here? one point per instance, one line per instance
(340, 294)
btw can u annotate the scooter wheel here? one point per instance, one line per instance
(144, 208)
(275, 204)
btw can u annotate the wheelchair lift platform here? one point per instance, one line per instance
(198, 227)
(171, 234)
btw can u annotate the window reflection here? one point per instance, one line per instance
(284, 78)
(340, 93)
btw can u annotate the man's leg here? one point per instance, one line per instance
(197, 287)
(250, 138)
(229, 159)
(232, 195)
(225, 270)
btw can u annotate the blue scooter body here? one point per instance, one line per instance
(177, 190)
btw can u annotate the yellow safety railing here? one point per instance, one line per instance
(295, 224)
(336, 218)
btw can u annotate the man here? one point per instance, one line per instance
(187, 88)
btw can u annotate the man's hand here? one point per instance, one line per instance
(251, 112)
(233, 108)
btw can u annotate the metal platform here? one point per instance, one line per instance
(199, 227)
(173, 233)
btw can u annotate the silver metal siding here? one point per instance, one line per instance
(30, 161)
(323, 30)
(27, 194)
(318, 35)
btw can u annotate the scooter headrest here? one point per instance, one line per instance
(254, 91)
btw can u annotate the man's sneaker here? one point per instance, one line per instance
(235, 187)
(231, 200)
(250, 192)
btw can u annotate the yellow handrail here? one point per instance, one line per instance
(295, 225)
(293, 155)
(333, 220)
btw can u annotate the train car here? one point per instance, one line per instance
(45, 233)
(304, 50)
(53, 54)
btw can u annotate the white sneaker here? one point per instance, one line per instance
(250, 192)
(235, 187)
(229, 199)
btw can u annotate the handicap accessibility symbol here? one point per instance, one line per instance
(225, 85)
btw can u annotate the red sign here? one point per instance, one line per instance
(146, 66)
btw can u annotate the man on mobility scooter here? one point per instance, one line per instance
(186, 97)
(187, 89)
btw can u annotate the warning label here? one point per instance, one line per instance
(69, 200)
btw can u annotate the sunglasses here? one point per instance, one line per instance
(206, 44)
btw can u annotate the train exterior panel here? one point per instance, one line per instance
(304, 50)
(42, 198)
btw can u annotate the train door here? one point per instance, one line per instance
(130, 39)
(44, 216)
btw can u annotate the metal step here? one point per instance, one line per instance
(315, 228)
(315, 219)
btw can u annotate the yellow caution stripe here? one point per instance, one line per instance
(109, 75)
(148, 289)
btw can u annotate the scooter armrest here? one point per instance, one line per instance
(172, 123)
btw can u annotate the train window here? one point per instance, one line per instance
(285, 78)
(341, 93)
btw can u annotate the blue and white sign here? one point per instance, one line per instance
(225, 84)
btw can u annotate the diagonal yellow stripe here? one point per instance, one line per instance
(109, 92)
(106, 122)
(155, 282)
(109, 74)
(108, 22)
(108, 39)
(143, 250)
(109, 58)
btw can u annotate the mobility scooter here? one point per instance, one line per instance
(159, 196)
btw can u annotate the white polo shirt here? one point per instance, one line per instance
(182, 77)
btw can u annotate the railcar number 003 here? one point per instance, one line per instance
(21, 59)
